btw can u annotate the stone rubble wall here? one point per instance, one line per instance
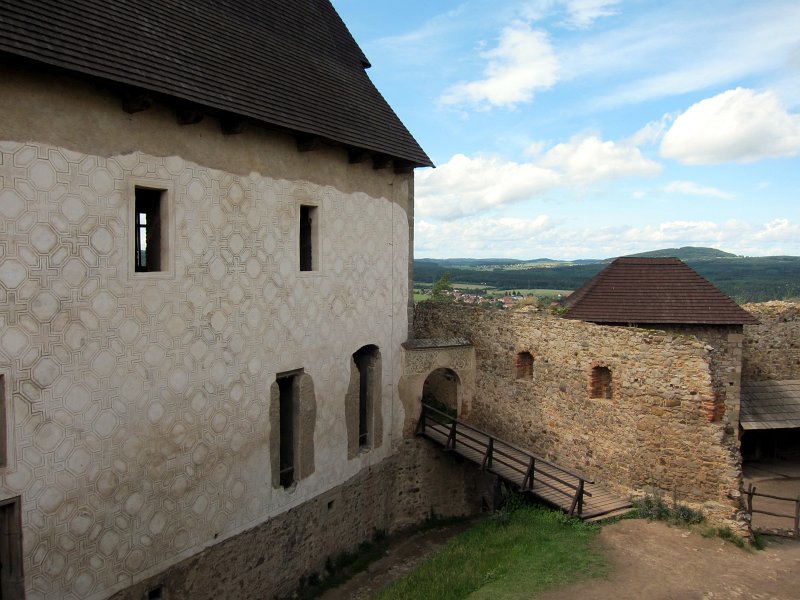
(772, 348)
(653, 434)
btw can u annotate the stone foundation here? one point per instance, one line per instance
(270, 560)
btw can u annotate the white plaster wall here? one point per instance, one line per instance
(139, 404)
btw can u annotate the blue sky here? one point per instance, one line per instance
(594, 128)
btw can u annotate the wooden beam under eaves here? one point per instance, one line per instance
(403, 167)
(380, 161)
(357, 155)
(307, 143)
(134, 101)
(232, 125)
(188, 115)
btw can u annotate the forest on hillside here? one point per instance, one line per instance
(745, 279)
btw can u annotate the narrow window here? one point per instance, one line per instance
(292, 419)
(288, 416)
(11, 582)
(309, 228)
(600, 385)
(149, 228)
(524, 365)
(3, 423)
(363, 410)
(366, 360)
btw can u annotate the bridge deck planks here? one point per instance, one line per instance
(511, 464)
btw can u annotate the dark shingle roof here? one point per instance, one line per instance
(653, 291)
(770, 404)
(289, 63)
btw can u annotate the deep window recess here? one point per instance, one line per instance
(524, 365)
(149, 229)
(309, 228)
(288, 422)
(156, 593)
(11, 582)
(600, 385)
(3, 421)
(367, 362)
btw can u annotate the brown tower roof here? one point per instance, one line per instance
(287, 63)
(653, 291)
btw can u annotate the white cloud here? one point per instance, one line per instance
(645, 59)
(465, 186)
(589, 159)
(583, 13)
(690, 188)
(652, 132)
(779, 230)
(522, 63)
(738, 125)
(543, 236)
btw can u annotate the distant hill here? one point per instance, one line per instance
(745, 279)
(686, 253)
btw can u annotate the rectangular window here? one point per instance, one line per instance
(150, 221)
(11, 582)
(309, 238)
(288, 416)
(3, 424)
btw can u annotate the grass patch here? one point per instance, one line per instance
(518, 553)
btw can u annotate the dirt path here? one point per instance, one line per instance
(654, 561)
(650, 561)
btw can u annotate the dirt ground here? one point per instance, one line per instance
(658, 562)
(650, 561)
(777, 478)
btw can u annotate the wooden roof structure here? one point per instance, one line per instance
(653, 291)
(770, 404)
(290, 64)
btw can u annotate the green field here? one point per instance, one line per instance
(509, 555)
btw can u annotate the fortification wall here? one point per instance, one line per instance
(772, 348)
(660, 428)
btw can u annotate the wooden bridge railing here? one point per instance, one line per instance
(750, 492)
(513, 464)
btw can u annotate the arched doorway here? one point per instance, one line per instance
(441, 391)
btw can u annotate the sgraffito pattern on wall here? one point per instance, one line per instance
(139, 403)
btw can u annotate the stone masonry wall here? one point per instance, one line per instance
(772, 348)
(269, 561)
(654, 432)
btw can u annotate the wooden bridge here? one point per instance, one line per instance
(571, 492)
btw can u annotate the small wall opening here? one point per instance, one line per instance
(601, 383)
(150, 221)
(523, 365)
(11, 580)
(363, 403)
(288, 416)
(309, 238)
(440, 391)
(293, 413)
(3, 424)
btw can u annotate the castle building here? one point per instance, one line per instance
(206, 216)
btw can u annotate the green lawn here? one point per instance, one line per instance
(510, 556)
